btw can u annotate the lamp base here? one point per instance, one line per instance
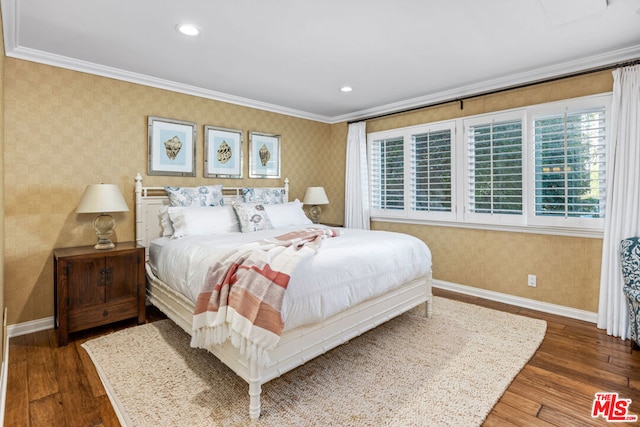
(104, 244)
(104, 224)
(314, 212)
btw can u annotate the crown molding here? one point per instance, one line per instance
(528, 77)
(10, 11)
(33, 55)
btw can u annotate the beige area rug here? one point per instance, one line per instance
(411, 371)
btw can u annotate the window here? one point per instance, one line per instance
(422, 189)
(570, 164)
(495, 166)
(387, 174)
(540, 168)
(431, 171)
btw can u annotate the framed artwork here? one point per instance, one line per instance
(222, 152)
(172, 147)
(264, 155)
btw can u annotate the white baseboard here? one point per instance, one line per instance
(3, 379)
(573, 313)
(4, 369)
(545, 307)
(29, 327)
(49, 322)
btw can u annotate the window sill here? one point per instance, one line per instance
(554, 231)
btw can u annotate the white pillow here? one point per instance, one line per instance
(286, 214)
(203, 220)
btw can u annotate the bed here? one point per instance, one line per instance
(308, 332)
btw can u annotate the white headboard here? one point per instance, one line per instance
(149, 200)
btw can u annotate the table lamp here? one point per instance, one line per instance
(103, 198)
(315, 196)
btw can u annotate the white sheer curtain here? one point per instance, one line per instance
(623, 197)
(356, 192)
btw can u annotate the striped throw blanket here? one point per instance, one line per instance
(243, 292)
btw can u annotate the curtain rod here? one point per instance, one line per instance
(505, 89)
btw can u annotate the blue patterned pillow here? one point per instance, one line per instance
(252, 217)
(205, 195)
(266, 196)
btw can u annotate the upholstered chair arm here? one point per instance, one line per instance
(630, 262)
(632, 294)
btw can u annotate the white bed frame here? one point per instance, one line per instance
(296, 346)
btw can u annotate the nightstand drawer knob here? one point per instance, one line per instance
(105, 313)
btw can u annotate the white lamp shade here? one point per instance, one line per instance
(100, 198)
(315, 196)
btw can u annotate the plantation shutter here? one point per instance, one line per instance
(431, 171)
(387, 174)
(570, 164)
(495, 168)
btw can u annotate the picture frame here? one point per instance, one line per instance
(223, 152)
(264, 155)
(172, 147)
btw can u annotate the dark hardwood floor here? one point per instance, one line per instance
(51, 386)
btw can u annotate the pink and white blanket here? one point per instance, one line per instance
(242, 295)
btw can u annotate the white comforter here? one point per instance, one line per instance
(346, 270)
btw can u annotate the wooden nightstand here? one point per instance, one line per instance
(96, 287)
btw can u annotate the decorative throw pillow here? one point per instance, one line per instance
(252, 217)
(266, 196)
(286, 214)
(205, 195)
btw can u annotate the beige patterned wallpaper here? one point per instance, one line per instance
(2, 306)
(65, 129)
(567, 268)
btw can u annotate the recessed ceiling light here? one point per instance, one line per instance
(188, 29)
(346, 89)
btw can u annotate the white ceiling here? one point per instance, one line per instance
(292, 56)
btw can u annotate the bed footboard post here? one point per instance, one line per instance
(429, 302)
(255, 389)
(429, 308)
